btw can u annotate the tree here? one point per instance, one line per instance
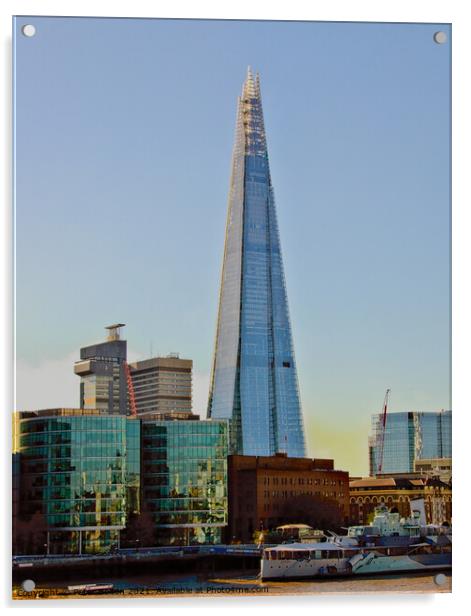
(314, 511)
(140, 530)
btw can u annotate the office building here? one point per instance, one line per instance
(409, 436)
(399, 492)
(162, 385)
(102, 374)
(254, 378)
(269, 491)
(184, 480)
(79, 474)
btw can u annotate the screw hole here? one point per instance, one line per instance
(29, 30)
(439, 579)
(439, 37)
(28, 585)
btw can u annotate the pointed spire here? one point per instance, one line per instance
(249, 90)
(251, 110)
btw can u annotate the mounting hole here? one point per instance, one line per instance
(440, 37)
(29, 30)
(440, 579)
(28, 585)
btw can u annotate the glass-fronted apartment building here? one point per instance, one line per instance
(79, 477)
(254, 377)
(184, 479)
(408, 437)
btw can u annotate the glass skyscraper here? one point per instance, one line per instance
(409, 436)
(254, 378)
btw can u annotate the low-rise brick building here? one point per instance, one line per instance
(266, 492)
(397, 492)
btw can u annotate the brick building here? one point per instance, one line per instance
(397, 492)
(265, 492)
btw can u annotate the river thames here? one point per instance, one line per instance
(232, 583)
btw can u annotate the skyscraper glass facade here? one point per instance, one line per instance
(254, 377)
(408, 437)
(79, 471)
(445, 435)
(184, 479)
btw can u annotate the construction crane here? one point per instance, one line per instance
(132, 397)
(383, 430)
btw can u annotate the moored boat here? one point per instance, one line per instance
(388, 545)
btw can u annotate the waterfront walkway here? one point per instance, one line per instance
(130, 555)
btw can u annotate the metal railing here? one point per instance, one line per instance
(231, 549)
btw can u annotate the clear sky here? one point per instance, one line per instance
(124, 133)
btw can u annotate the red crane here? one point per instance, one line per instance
(132, 397)
(383, 430)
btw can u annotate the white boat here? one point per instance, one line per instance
(301, 560)
(388, 545)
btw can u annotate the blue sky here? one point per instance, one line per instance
(124, 132)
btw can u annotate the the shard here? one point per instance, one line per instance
(254, 379)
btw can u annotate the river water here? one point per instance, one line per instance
(247, 583)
